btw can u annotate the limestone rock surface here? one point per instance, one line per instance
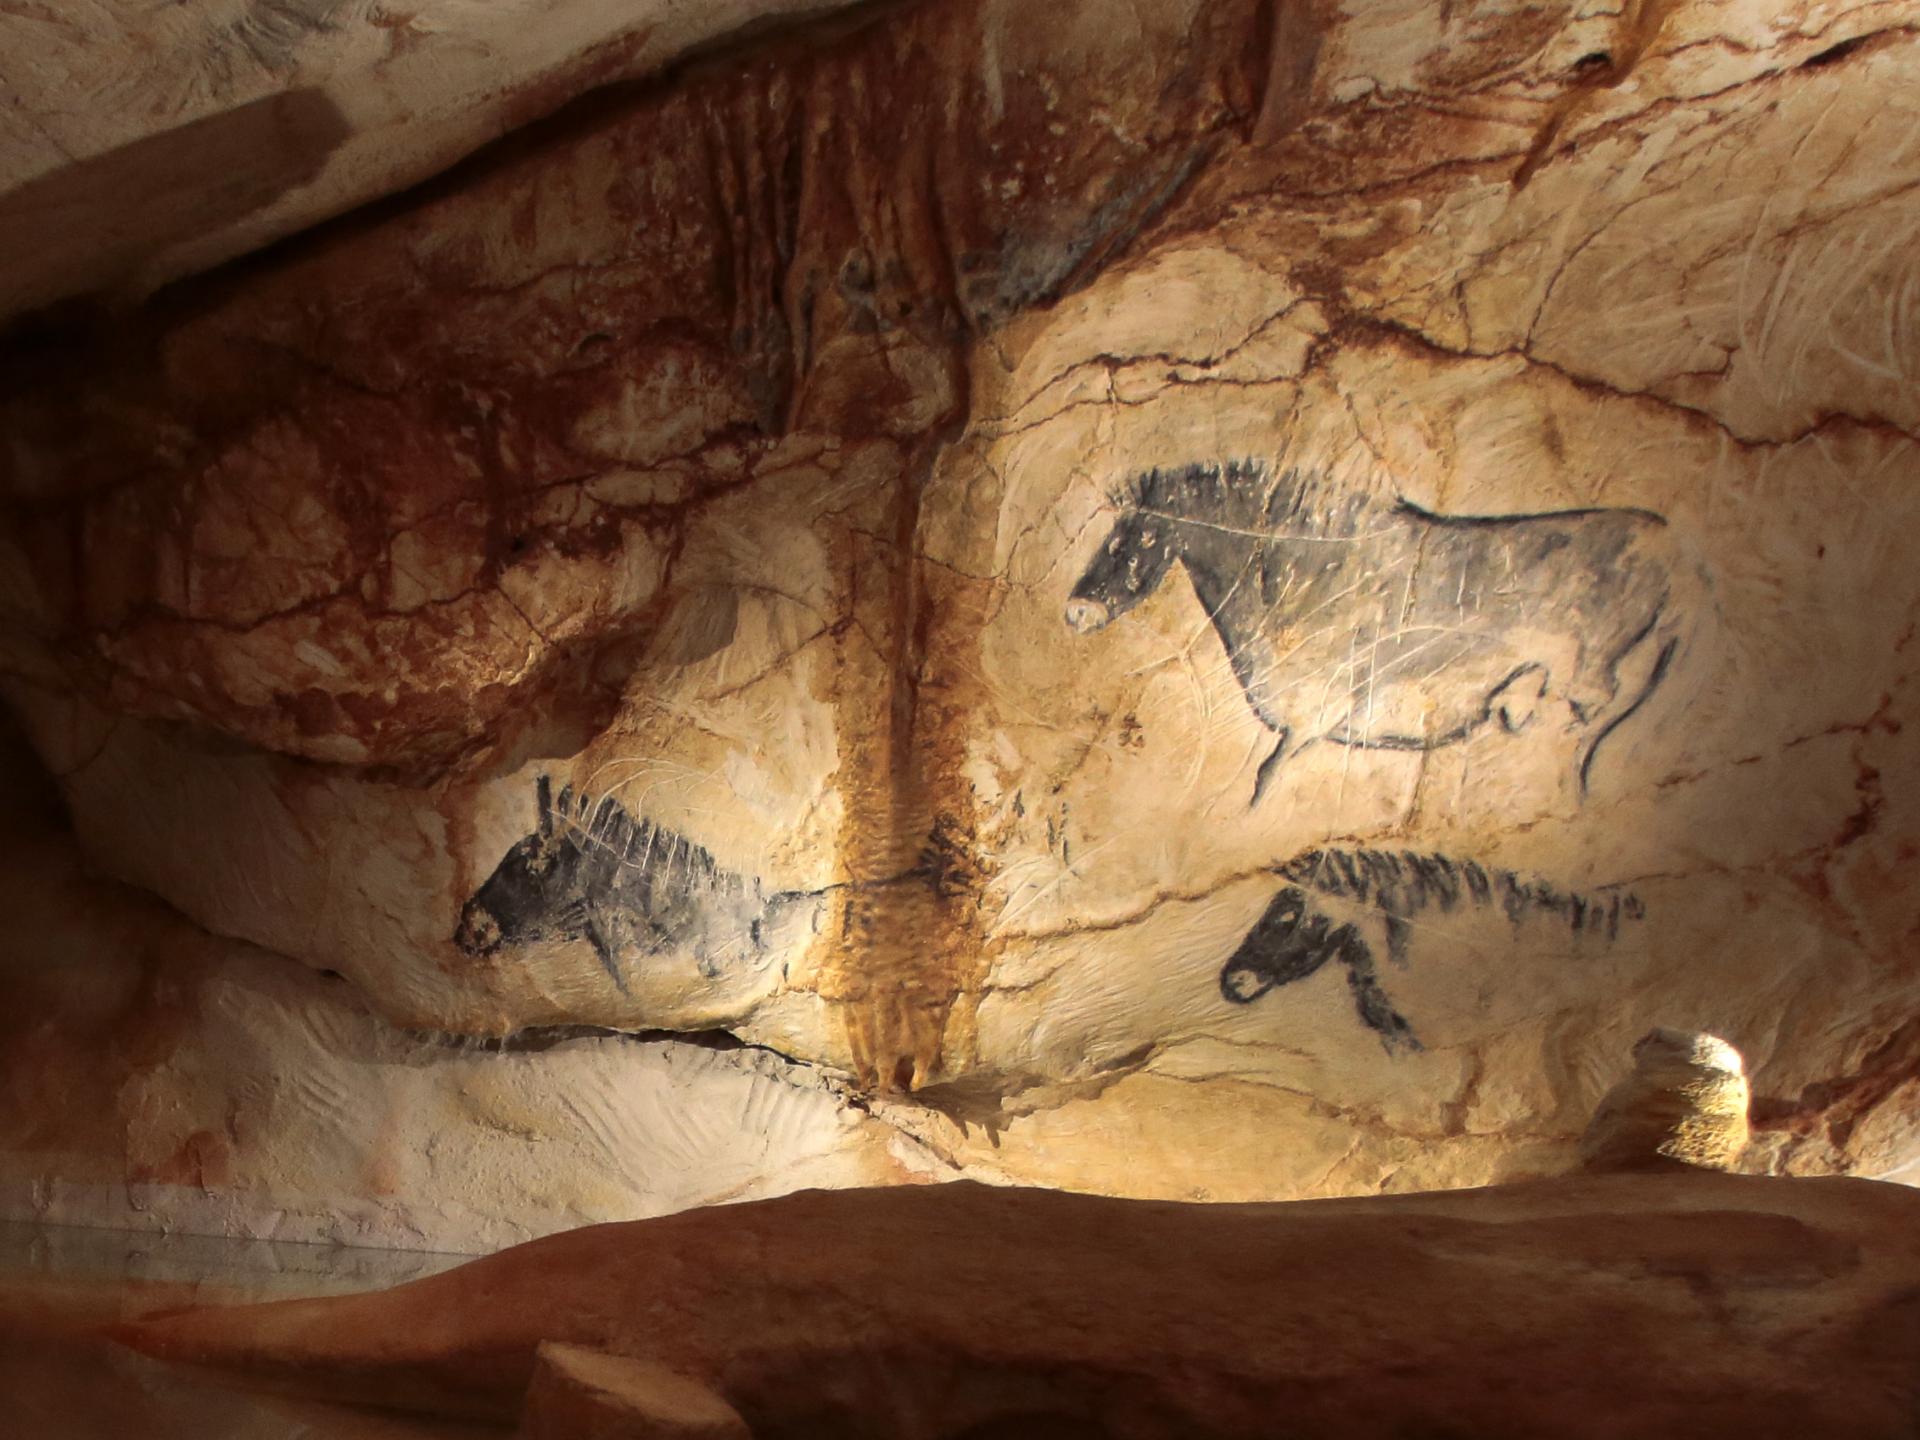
(579, 1394)
(1702, 1305)
(1223, 602)
(159, 1078)
(144, 142)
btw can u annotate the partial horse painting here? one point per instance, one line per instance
(1371, 622)
(629, 888)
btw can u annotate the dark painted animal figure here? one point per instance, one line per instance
(629, 887)
(1291, 940)
(1371, 622)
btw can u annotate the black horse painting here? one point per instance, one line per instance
(1293, 939)
(628, 887)
(1289, 942)
(1372, 622)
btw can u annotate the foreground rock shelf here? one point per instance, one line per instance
(1721, 1307)
(61, 1286)
(1224, 606)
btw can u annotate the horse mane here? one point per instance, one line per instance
(621, 840)
(1152, 489)
(1247, 491)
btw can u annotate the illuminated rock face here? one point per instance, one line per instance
(159, 1077)
(1212, 607)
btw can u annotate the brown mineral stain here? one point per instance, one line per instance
(68, 1055)
(1836, 1106)
(1639, 26)
(808, 229)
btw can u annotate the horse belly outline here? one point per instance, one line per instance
(1494, 616)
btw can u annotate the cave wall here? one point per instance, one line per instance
(161, 1077)
(1225, 605)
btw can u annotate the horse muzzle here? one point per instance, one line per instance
(1084, 616)
(479, 932)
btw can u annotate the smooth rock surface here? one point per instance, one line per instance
(1701, 1305)
(579, 1394)
(1226, 606)
(60, 1286)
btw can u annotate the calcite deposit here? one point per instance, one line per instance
(1203, 600)
(1686, 1103)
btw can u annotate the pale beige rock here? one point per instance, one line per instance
(581, 1394)
(154, 1077)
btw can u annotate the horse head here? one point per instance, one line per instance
(1163, 513)
(538, 891)
(1129, 566)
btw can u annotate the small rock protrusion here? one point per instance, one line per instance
(1684, 1106)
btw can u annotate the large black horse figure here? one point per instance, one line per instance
(1372, 622)
(630, 888)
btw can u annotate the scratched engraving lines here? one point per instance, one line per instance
(1415, 629)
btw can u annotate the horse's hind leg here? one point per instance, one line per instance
(1268, 766)
(1662, 662)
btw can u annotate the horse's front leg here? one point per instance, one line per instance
(1593, 686)
(1376, 1011)
(1515, 702)
(611, 935)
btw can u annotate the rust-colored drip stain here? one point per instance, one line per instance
(874, 966)
(1835, 1107)
(956, 873)
(906, 943)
